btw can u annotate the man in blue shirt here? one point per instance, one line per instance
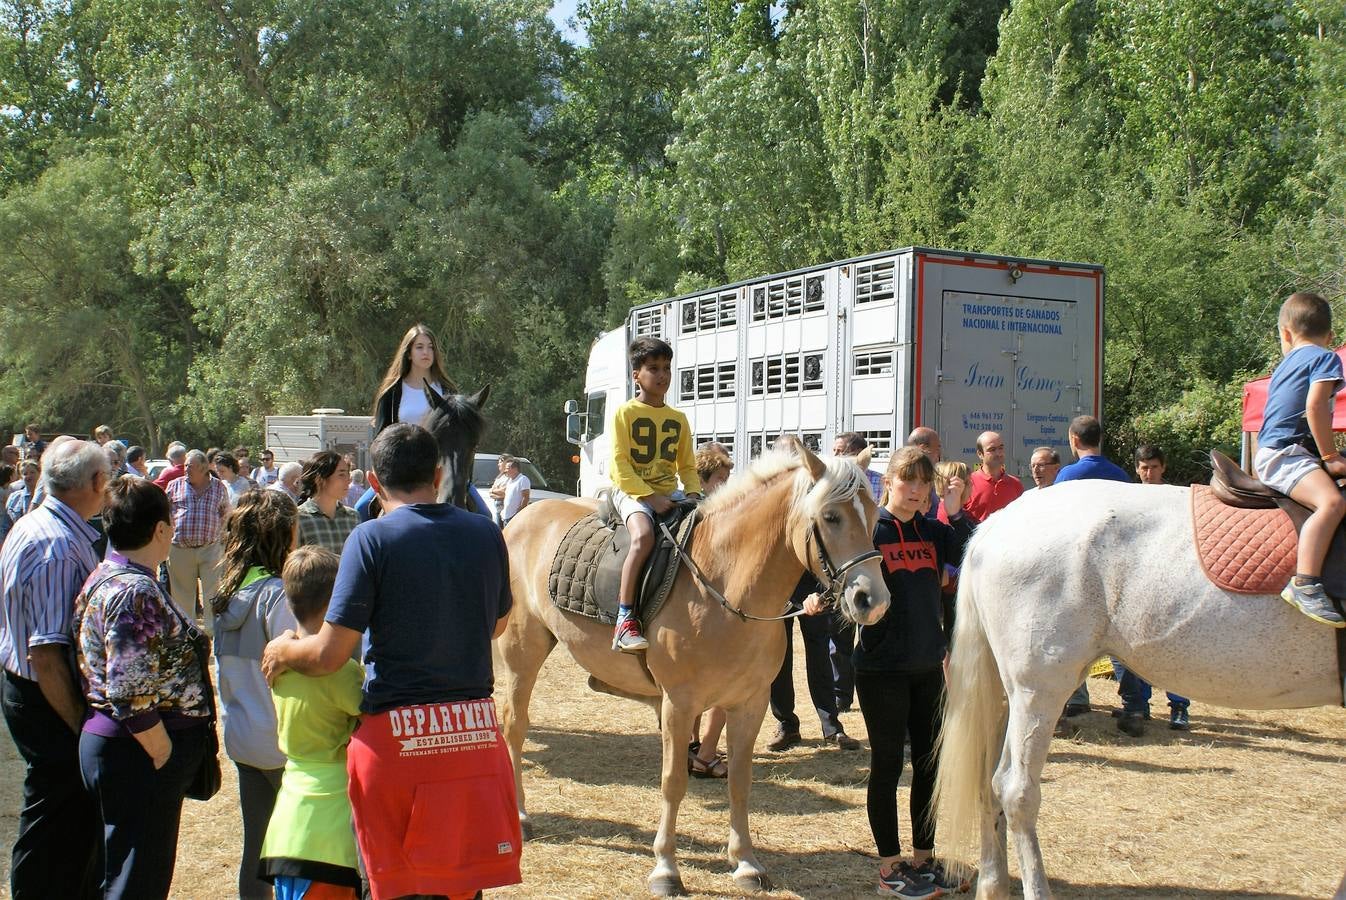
(1086, 442)
(46, 558)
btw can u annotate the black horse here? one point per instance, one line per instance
(457, 424)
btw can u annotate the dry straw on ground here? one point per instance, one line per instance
(1247, 805)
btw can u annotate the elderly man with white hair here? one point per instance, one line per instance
(45, 561)
(200, 505)
(177, 456)
(287, 480)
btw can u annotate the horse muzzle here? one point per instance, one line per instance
(864, 601)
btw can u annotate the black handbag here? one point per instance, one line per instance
(206, 781)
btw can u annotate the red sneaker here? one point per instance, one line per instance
(627, 637)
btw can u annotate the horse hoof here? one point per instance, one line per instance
(756, 883)
(526, 827)
(667, 886)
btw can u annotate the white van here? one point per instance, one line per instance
(961, 342)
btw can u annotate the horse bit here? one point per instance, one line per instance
(829, 596)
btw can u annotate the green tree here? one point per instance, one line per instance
(84, 335)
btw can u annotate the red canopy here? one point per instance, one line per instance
(1255, 401)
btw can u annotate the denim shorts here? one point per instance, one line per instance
(1284, 467)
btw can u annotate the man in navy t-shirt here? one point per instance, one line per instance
(428, 581)
(428, 587)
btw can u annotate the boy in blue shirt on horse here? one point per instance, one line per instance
(1295, 450)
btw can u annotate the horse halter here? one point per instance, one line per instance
(831, 593)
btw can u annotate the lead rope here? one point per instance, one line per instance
(705, 583)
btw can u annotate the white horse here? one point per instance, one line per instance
(1050, 584)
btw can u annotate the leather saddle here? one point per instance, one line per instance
(586, 571)
(1247, 534)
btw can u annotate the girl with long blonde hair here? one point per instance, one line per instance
(418, 362)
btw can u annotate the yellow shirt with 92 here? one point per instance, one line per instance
(652, 451)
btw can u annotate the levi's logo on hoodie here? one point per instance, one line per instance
(911, 556)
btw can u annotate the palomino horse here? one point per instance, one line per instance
(758, 534)
(1053, 582)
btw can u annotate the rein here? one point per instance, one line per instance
(829, 596)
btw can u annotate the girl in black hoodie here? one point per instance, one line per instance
(899, 675)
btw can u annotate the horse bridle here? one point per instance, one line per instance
(829, 596)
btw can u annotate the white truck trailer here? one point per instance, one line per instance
(961, 342)
(296, 438)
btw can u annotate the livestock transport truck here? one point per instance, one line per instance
(879, 344)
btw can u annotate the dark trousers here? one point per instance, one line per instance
(843, 672)
(141, 807)
(815, 632)
(895, 706)
(257, 790)
(56, 848)
(1136, 691)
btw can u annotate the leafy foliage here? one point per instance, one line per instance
(223, 210)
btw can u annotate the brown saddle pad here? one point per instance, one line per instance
(1247, 551)
(586, 571)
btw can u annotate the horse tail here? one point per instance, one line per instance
(973, 734)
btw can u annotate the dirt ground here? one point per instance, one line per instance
(1246, 805)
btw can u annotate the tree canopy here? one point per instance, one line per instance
(218, 211)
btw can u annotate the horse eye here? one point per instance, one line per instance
(831, 518)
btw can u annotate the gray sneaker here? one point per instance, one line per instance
(1312, 601)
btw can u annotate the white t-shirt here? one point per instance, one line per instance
(414, 405)
(514, 496)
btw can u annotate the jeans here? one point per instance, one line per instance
(257, 790)
(816, 633)
(897, 705)
(55, 851)
(1135, 691)
(141, 808)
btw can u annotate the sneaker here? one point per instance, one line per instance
(1077, 709)
(1312, 601)
(1178, 720)
(903, 881)
(844, 741)
(627, 637)
(783, 740)
(932, 870)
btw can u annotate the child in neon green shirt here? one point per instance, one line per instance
(309, 852)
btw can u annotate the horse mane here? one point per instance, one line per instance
(842, 481)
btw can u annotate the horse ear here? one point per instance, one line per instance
(436, 401)
(817, 468)
(865, 456)
(479, 398)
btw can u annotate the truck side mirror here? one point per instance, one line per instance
(574, 427)
(572, 407)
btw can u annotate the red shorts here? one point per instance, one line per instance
(432, 791)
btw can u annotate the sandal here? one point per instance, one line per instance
(716, 768)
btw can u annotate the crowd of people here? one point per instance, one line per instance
(121, 581)
(340, 645)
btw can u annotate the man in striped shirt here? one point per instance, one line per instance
(200, 506)
(46, 558)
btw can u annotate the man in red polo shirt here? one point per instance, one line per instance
(992, 488)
